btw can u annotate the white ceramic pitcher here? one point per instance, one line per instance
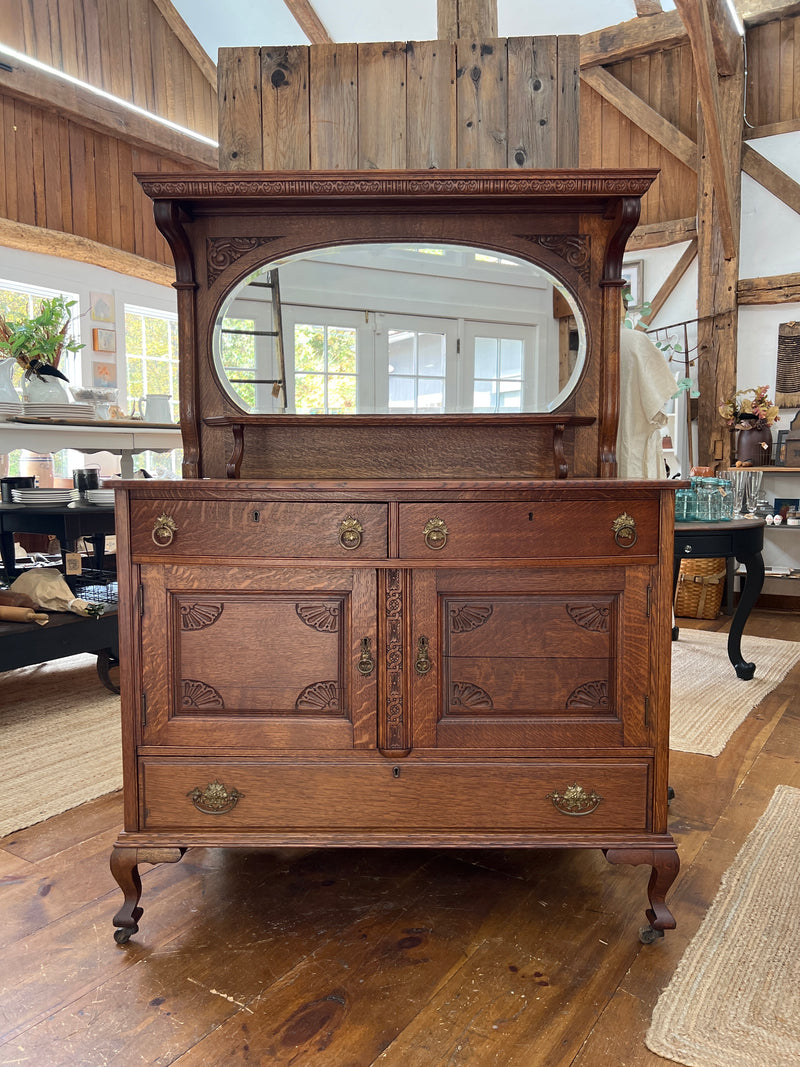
(156, 407)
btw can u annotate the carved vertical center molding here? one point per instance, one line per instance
(395, 735)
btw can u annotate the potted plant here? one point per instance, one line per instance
(36, 344)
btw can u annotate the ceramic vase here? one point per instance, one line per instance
(754, 447)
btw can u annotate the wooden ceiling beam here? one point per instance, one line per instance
(181, 30)
(696, 20)
(306, 17)
(726, 36)
(635, 109)
(661, 234)
(779, 289)
(773, 179)
(688, 257)
(52, 93)
(633, 38)
(646, 8)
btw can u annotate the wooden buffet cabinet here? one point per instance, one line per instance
(475, 653)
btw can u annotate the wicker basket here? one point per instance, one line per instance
(701, 583)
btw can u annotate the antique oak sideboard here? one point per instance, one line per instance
(355, 622)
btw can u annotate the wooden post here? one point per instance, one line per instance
(718, 277)
(472, 19)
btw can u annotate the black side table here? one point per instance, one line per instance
(67, 522)
(742, 539)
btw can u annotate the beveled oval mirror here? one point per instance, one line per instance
(399, 328)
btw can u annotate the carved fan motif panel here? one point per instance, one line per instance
(528, 655)
(260, 653)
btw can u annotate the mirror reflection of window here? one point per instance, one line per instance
(399, 329)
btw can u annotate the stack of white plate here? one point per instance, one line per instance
(42, 497)
(8, 410)
(100, 496)
(60, 411)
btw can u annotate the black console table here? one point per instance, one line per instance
(741, 539)
(67, 522)
(66, 634)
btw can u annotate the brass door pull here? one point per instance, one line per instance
(366, 664)
(435, 533)
(350, 531)
(215, 799)
(575, 800)
(164, 530)
(624, 528)
(422, 664)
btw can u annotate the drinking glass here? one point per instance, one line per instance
(737, 477)
(753, 482)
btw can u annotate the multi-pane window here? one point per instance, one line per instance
(151, 357)
(19, 301)
(498, 374)
(416, 370)
(325, 364)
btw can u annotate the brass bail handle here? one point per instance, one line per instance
(366, 663)
(422, 664)
(350, 531)
(624, 529)
(435, 533)
(164, 530)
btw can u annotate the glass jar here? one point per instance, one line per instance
(725, 502)
(704, 510)
(685, 505)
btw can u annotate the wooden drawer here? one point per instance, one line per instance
(241, 529)
(384, 796)
(529, 529)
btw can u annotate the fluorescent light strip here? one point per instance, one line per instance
(28, 61)
(735, 15)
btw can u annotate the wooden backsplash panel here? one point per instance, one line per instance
(397, 105)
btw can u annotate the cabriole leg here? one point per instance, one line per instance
(125, 868)
(665, 866)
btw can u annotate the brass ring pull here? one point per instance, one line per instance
(574, 800)
(350, 531)
(624, 527)
(435, 533)
(164, 530)
(422, 664)
(366, 664)
(215, 799)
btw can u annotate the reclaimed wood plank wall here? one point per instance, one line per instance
(59, 175)
(772, 94)
(504, 102)
(666, 81)
(125, 47)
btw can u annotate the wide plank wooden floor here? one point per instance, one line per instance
(349, 958)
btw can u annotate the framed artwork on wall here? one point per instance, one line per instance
(780, 448)
(102, 307)
(104, 375)
(104, 340)
(633, 273)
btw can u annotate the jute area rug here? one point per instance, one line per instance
(734, 1000)
(709, 701)
(60, 738)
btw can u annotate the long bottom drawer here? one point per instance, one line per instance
(178, 794)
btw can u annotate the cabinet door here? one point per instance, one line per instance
(248, 658)
(532, 658)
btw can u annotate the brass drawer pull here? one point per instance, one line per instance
(350, 531)
(422, 664)
(164, 530)
(366, 664)
(215, 799)
(435, 533)
(624, 527)
(574, 800)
